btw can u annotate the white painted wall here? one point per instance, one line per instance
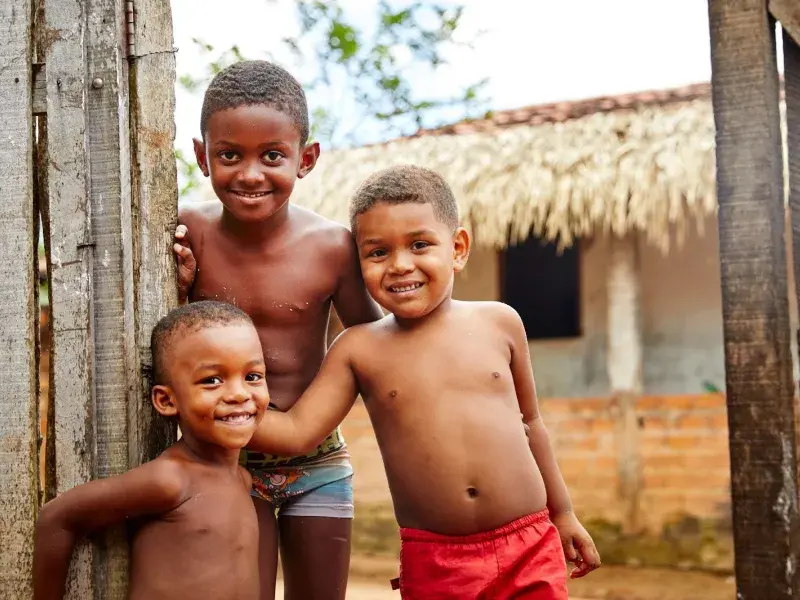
(681, 319)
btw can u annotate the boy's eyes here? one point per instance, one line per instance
(217, 380)
(273, 156)
(231, 155)
(381, 252)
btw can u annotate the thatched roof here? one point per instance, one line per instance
(638, 162)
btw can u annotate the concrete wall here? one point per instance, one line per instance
(681, 314)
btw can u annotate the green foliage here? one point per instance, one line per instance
(371, 66)
(189, 174)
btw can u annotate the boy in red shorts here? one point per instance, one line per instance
(483, 510)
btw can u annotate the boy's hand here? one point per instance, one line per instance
(187, 265)
(579, 547)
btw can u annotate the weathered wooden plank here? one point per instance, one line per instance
(107, 129)
(69, 261)
(39, 103)
(758, 361)
(788, 13)
(18, 473)
(791, 81)
(155, 201)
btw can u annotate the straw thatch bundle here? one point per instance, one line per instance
(635, 167)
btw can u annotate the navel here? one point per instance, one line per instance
(393, 394)
(472, 492)
(496, 375)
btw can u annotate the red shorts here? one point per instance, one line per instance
(523, 559)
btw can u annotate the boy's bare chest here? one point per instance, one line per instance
(281, 287)
(414, 370)
(221, 513)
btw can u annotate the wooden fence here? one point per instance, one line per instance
(86, 118)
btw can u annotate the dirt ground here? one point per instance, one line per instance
(370, 581)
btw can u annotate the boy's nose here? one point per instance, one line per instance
(238, 394)
(402, 264)
(251, 174)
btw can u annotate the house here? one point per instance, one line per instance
(596, 220)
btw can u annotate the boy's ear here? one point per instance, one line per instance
(200, 155)
(461, 246)
(308, 158)
(164, 400)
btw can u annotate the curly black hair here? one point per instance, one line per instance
(184, 320)
(252, 82)
(402, 184)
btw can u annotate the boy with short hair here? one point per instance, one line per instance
(483, 512)
(284, 266)
(195, 532)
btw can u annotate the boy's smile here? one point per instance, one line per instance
(253, 155)
(408, 257)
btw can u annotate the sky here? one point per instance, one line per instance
(532, 52)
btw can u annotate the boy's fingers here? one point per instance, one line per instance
(181, 231)
(589, 554)
(182, 251)
(569, 551)
(581, 570)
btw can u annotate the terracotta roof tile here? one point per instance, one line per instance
(558, 112)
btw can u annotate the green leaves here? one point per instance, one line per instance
(358, 74)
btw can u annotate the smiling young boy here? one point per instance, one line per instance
(284, 266)
(484, 512)
(195, 531)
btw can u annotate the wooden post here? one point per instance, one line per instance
(625, 368)
(791, 79)
(104, 255)
(758, 364)
(18, 243)
(155, 209)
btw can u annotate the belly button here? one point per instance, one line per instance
(393, 394)
(496, 375)
(472, 492)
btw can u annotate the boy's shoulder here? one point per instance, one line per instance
(168, 474)
(360, 337)
(495, 314)
(198, 214)
(318, 228)
(491, 309)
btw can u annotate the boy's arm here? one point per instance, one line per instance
(153, 488)
(352, 302)
(323, 405)
(578, 545)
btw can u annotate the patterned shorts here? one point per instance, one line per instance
(319, 485)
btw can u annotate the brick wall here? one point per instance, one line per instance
(683, 441)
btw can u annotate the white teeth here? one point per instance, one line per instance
(405, 288)
(251, 195)
(240, 418)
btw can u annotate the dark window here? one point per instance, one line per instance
(543, 286)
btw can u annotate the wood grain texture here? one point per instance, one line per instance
(758, 362)
(63, 47)
(108, 139)
(155, 206)
(18, 426)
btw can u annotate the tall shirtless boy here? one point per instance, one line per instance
(195, 531)
(484, 512)
(284, 266)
